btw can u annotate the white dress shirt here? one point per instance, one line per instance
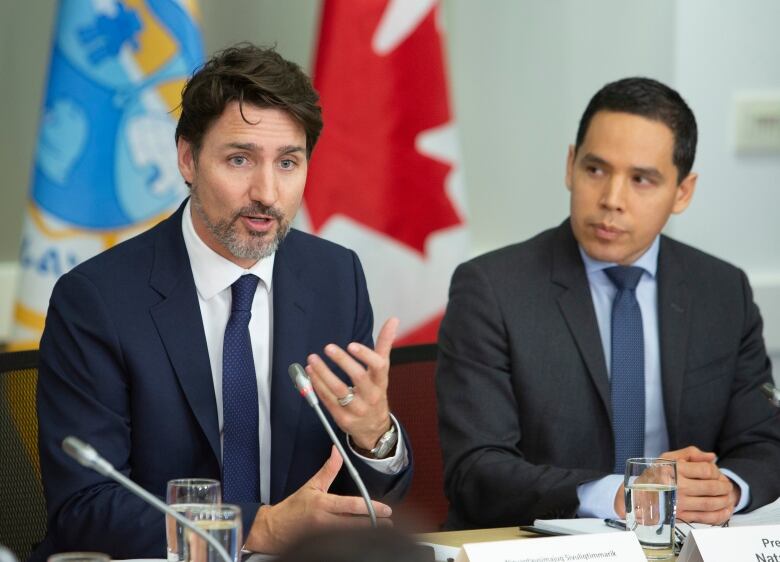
(597, 497)
(214, 275)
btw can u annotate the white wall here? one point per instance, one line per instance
(723, 48)
(522, 73)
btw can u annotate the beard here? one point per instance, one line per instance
(241, 243)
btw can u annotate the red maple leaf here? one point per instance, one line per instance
(366, 165)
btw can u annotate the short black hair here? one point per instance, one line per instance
(651, 99)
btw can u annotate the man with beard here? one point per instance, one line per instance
(169, 352)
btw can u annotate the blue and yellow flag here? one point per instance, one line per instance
(105, 167)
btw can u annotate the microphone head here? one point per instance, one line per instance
(302, 382)
(77, 449)
(772, 393)
(85, 455)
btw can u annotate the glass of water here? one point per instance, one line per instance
(181, 494)
(220, 521)
(651, 504)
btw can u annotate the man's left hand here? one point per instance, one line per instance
(704, 493)
(367, 416)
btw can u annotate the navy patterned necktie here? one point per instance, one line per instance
(627, 376)
(240, 439)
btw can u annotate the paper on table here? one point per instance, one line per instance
(767, 515)
(581, 526)
(622, 546)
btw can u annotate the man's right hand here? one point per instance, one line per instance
(311, 506)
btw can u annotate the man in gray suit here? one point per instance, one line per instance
(552, 370)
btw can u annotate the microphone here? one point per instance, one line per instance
(772, 393)
(89, 457)
(302, 382)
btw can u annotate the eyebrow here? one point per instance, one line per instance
(251, 147)
(650, 172)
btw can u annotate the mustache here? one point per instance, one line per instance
(259, 209)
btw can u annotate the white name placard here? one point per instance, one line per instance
(732, 544)
(606, 547)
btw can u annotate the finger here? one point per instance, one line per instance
(698, 471)
(691, 454)
(702, 488)
(327, 474)
(689, 502)
(354, 505)
(328, 386)
(386, 337)
(378, 365)
(345, 521)
(354, 370)
(341, 415)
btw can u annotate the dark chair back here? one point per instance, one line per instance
(22, 507)
(412, 396)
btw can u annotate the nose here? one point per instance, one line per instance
(613, 194)
(264, 188)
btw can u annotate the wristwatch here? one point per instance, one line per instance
(385, 444)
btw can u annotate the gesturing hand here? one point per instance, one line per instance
(361, 410)
(309, 507)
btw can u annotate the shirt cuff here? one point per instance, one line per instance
(744, 497)
(597, 497)
(390, 465)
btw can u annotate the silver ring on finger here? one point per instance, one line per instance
(345, 400)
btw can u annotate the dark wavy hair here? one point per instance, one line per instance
(250, 74)
(651, 99)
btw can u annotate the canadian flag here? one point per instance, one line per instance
(385, 178)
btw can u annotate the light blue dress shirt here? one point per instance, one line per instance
(597, 498)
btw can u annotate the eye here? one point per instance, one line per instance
(287, 164)
(593, 170)
(642, 180)
(238, 160)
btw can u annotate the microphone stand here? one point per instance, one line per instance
(303, 384)
(89, 457)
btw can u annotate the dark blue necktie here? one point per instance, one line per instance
(627, 376)
(240, 441)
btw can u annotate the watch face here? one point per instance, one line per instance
(386, 444)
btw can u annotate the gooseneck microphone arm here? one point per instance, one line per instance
(303, 384)
(89, 457)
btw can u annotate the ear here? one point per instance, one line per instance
(570, 166)
(186, 160)
(684, 193)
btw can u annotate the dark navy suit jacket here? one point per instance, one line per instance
(124, 366)
(520, 353)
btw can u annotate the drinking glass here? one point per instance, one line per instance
(651, 504)
(222, 522)
(180, 494)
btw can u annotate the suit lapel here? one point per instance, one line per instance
(673, 325)
(179, 323)
(576, 306)
(292, 299)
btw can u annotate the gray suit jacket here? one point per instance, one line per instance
(523, 390)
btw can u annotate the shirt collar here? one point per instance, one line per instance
(212, 272)
(647, 261)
